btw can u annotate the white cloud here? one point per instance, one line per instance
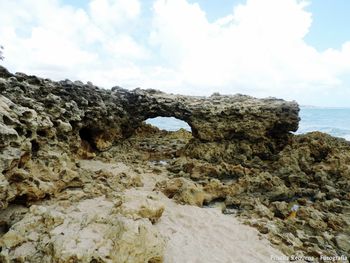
(60, 41)
(258, 48)
(110, 15)
(124, 46)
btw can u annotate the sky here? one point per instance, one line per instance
(291, 49)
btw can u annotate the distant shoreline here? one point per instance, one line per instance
(323, 107)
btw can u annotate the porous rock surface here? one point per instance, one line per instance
(90, 230)
(53, 122)
(241, 153)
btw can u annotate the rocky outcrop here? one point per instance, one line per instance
(182, 190)
(84, 106)
(241, 153)
(310, 173)
(54, 122)
(90, 230)
(218, 117)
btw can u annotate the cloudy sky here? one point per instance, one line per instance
(292, 49)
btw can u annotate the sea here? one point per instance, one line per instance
(334, 121)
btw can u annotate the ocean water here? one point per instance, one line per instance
(334, 121)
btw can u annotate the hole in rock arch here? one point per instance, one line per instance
(164, 137)
(168, 123)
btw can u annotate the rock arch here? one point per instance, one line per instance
(116, 113)
(42, 116)
(217, 117)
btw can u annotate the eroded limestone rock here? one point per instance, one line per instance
(182, 190)
(137, 204)
(45, 125)
(85, 231)
(311, 171)
(240, 152)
